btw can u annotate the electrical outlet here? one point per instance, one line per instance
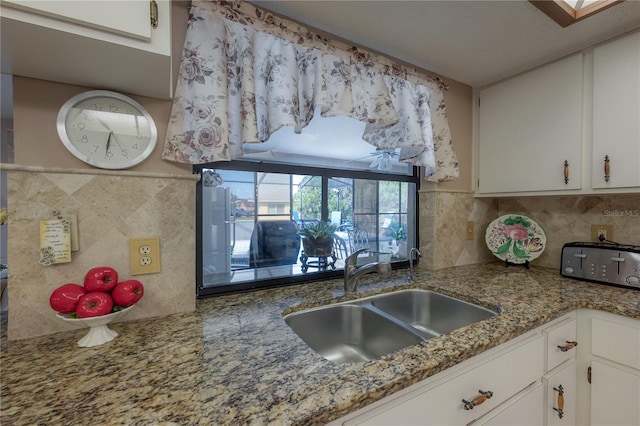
(145, 255)
(469, 231)
(601, 232)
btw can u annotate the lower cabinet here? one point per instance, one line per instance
(523, 409)
(560, 402)
(463, 394)
(614, 367)
(615, 395)
(580, 369)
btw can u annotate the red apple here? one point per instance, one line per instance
(64, 299)
(128, 292)
(102, 278)
(94, 304)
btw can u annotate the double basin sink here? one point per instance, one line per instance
(371, 327)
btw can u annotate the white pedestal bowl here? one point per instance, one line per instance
(98, 333)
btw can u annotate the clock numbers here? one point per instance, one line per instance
(106, 129)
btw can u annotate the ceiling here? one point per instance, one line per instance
(475, 42)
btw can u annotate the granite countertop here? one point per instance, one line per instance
(235, 361)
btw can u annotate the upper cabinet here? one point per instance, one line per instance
(100, 44)
(569, 127)
(616, 113)
(530, 130)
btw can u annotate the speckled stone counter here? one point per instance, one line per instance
(235, 361)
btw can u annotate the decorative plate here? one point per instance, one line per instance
(515, 238)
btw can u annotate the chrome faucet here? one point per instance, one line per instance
(410, 273)
(352, 273)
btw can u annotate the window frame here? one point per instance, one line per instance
(266, 167)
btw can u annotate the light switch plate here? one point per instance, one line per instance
(145, 255)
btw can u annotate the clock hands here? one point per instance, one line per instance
(111, 134)
(106, 152)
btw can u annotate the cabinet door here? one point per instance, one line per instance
(560, 395)
(616, 108)
(529, 126)
(615, 392)
(130, 18)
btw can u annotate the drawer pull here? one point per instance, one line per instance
(560, 409)
(569, 345)
(468, 405)
(566, 172)
(607, 168)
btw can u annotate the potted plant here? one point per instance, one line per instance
(398, 233)
(317, 239)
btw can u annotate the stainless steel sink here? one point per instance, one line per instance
(429, 311)
(350, 333)
(372, 327)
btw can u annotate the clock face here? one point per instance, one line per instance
(106, 129)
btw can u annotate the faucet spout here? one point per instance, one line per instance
(352, 273)
(410, 273)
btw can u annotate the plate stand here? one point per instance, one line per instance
(98, 335)
(525, 264)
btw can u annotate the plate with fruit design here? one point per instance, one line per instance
(515, 238)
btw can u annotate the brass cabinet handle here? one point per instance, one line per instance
(468, 405)
(153, 10)
(560, 409)
(569, 345)
(566, 172)
(607, 168)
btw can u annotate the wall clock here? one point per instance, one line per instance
(106, 129)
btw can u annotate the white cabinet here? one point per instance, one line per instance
(560, 341)
(583, 109)
(529, 126)
(524, 409)
(615, 370)
(99, 43)
(459, 395)
(616, 111)
(130, 18)
(608, 368)
(560, 388)
(560, 395)
(540, 378)
(615, 395)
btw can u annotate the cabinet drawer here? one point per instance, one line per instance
(616, 341)
(524, 409)
(556, 338)
(504, 376)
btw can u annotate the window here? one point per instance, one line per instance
(248, 225)
(251, 210)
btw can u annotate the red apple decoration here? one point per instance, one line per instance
(64, 299)
(94, 304)
(127, 293)
(101, 278)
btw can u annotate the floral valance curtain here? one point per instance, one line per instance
(245, 74)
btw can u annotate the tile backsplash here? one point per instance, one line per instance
(563, 218)
(111, 208)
